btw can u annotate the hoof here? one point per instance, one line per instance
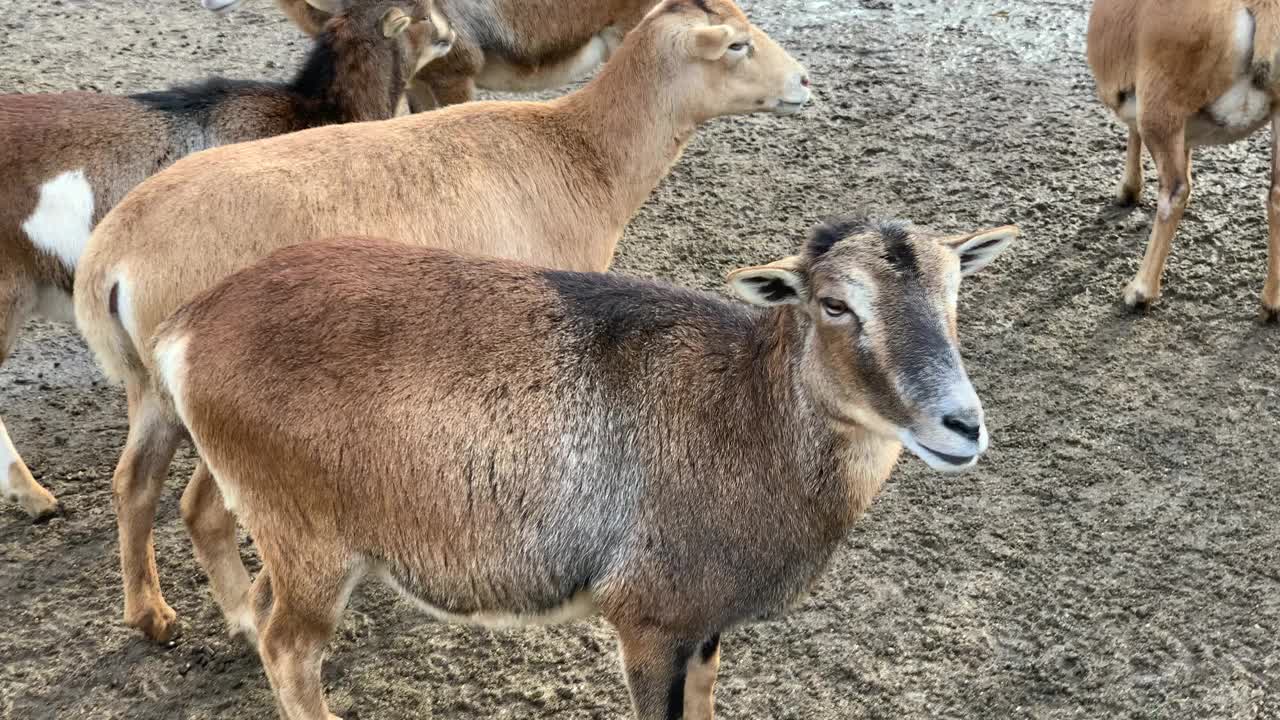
(40, 505)
(42, 516)
(1269, 315)
(1127, 197)
(243, 627)
(220, 6)
(1138, 298)
(159, 624)
(1261, 74)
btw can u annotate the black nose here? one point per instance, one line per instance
(963, 425)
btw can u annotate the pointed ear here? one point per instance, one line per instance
(778, 283)
(394, 22)
(978, 249)
(710, 43)
(333, 7)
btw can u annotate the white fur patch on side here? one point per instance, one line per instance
(63, 217)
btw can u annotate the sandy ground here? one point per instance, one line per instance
(1115, 555)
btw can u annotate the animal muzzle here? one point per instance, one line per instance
(795, 93)
(951, 436)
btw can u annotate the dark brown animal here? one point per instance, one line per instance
(69, 158)
(509, 45)
(509, 444)
(1182, 74)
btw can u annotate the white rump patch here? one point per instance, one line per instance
(171, 366)
(1243, 38)
(63, 217)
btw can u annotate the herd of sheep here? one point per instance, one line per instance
(380, 312)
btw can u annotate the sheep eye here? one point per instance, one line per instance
(738, 47)
(834, 307)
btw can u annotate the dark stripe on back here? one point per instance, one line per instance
(197, 100)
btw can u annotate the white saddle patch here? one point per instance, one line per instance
(63, 217)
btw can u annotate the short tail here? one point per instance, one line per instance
(102, 303)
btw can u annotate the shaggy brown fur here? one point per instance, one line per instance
(1182, 74)
(504, 443)
(550, 183)
(512, 45)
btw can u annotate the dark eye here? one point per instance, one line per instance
(739, 47)
(834, 307)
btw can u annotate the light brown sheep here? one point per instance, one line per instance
(1182, 74)
(551, 183)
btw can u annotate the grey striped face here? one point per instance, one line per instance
(882, 301)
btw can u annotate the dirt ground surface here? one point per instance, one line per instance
(1116, 555)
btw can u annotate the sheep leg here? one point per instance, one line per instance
(138, 480)
(1130, 190)
(1165, 136)
(212, 528)
(700, 681)
(656, 664)
(419, 95)
(16, 481)
(1271, 290)
(304, 608)
(452, 89)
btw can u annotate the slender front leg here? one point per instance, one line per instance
(452, 89)
(213, 536)
(1166, 138)
(139, 478)
(700, 681)
(419, 95)
(16, 483)
(1271, 290)
(1130, 190)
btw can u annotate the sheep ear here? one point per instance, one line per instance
(978, 249)
(778, 283)
(395, 22)
(333, 7)
(710, 43)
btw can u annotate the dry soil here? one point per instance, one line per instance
(1114, 556)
